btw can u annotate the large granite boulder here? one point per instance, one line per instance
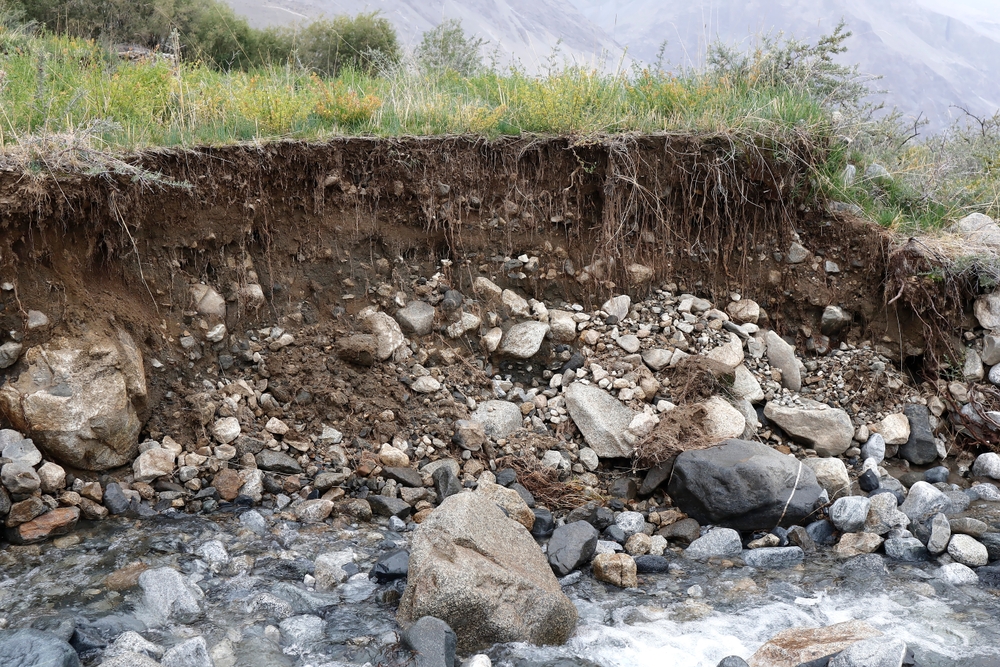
(484, 575)
(743, 485)
(827, 430)
(80, 400)
(601, 418)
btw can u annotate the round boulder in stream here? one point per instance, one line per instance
(484, 575)
(743, 485)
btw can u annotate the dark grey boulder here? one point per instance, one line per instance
(822, 532)
(651, 564)
(115, 500)
(432, 641)
(733, 661)
(571, 546)
(544, 524)
(392, 565)
(405, 476)
(273, 461)
(598, 516)
(920, 449)
(385, 506)
(445, 483)
(34, 648)
(743, 485)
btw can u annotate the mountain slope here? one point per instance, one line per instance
(932, 53)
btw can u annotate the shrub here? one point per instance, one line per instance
(340, 103)
(364, 42)
(446, 48)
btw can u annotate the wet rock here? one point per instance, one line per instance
(483, 574)
(879, 652)
(416, 318)
(831, 474)
(907, 549)
(957, 574)
(168, 595)
(773, 558)
(989, 576)
(384, 506)
(920, 448)
(115, 500)
(968, 551)
(571, 546)
(51, 524)
(718, 542)
(652, 564)
(190, 653)
(601, 418)
(849, 514)
(131, 642)
(923, 501)
(34, 648)
(743, 485)
(72, 385)
(499, 418)
(391, 566)
(281, 462)
(329, 570)
(616, 569)
(302, 631)
(781, 355)
(20, 478)
(855, 544)
(940, 535)
(792, 648)
(432, 641)
(314, 511)
(827, 430)
(822, 532)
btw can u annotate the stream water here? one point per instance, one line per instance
(690, 617)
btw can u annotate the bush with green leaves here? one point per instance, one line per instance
(446, 48)
(366, 42)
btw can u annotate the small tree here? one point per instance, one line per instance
(447, 48)
(363, 42)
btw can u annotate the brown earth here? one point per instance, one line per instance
(329, 228)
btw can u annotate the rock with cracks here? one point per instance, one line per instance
(743, 485)
(80, 400)
(484, 575)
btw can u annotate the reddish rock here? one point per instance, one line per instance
(25, 511)
(57, 522)
(93, 511)
(227, 483)
(125, 578)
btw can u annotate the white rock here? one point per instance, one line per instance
(52, 476)
(827, 430)
(562, 326)
(425, 384)
(831, 473)
(781, 355)
(657, 359)
(226, 429)
(987, 310)
(153, 464)
(207, 301)
(276, 426)
(618, 306)
(746, 386)
(968, 551)
(722, 420)
(957, 574)
(487, 289)
(10, 352)
(588, 457)
(895, 429)
(465, 324)
(387, 333)
(629, 343)
(987, 465)
(523, 340)
(491, 340)
(216, 334)
(515, 304)
(729, 354)
(744, 311)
